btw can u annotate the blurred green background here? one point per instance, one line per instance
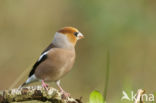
(126, 27)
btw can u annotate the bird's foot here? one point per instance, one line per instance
(65, 95)
(44, 85)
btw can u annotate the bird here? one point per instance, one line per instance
(56, 60)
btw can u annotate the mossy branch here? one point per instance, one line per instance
(34, 93)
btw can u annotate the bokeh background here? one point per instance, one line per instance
(126, 27)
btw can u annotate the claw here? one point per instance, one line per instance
(44, 85)
(64, 94)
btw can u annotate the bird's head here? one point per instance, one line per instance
(68, 35)
(72, 34)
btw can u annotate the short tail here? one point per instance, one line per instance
(28, 81)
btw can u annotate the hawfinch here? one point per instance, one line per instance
(57, 59)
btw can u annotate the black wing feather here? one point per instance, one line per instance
(36, 64)
(42, 59)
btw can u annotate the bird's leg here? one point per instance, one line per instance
(44, 85)
(65, 94)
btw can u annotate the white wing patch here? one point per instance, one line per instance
(42, 55)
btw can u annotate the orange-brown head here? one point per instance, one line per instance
(72, 34)
(67, 37)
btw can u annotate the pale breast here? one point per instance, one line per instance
(58, 63)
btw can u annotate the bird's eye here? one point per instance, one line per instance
(76, 33)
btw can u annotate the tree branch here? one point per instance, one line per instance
(34, 93)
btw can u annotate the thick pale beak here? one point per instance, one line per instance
(80, 36)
